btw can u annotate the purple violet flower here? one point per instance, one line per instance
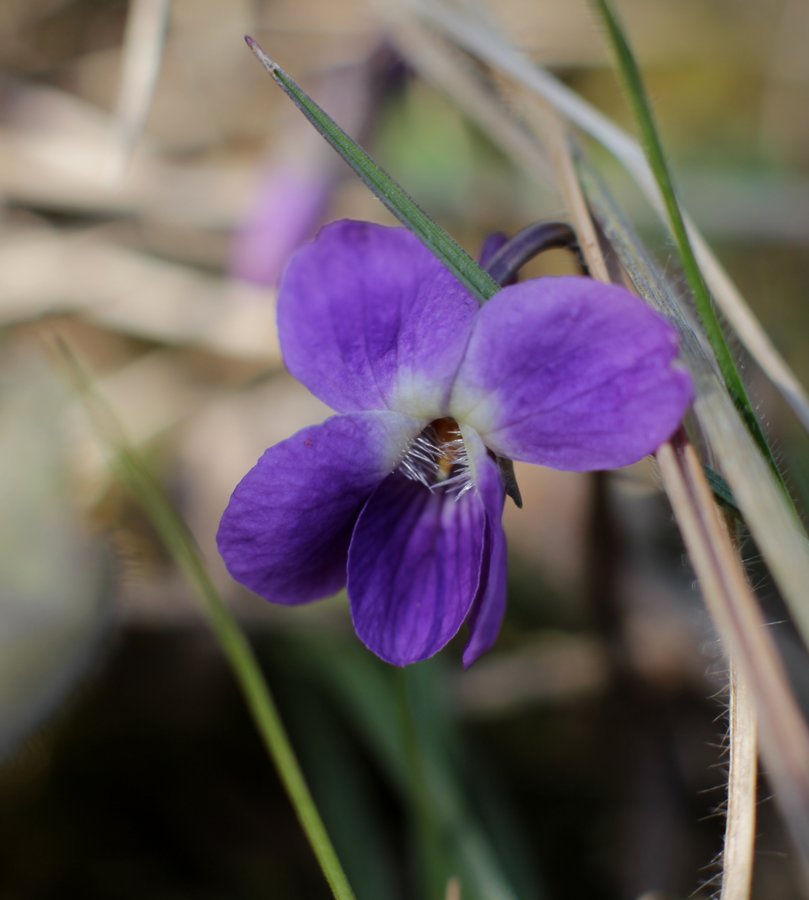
(400, 495)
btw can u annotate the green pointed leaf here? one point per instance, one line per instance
(392, 194)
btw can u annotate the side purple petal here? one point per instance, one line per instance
(489, 608)
(369, 319)
(573, 374)
(286, 531)
(414, 568)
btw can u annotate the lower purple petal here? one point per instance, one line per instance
(490, 604)
(414, 568)
(286, 531)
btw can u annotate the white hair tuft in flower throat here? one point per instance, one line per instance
(438, 459)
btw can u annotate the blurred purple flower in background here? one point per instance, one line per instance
(400, 496)
(291, 202)
(295, 191)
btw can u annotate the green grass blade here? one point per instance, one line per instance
(434, 856)
(392, 194)
(178, 540)
(367, 692)
(639, 100)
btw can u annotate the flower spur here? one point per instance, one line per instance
(400, 496)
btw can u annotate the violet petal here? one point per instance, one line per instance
(286, 530)
(369, 319)
(413, 568)
(571, 373)
(490, 603)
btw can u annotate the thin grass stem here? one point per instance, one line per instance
(740, 823)
(633, 83)
(727, 594)
(144, 44)
(783, 731)
(178, 540)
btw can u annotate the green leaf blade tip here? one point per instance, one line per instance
(392, 195)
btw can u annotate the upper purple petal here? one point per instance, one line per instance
(489, 608)
(369, 319)
(571, 373)
(286, 530)
(413, 568)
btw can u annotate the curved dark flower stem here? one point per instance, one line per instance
(530, 242)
